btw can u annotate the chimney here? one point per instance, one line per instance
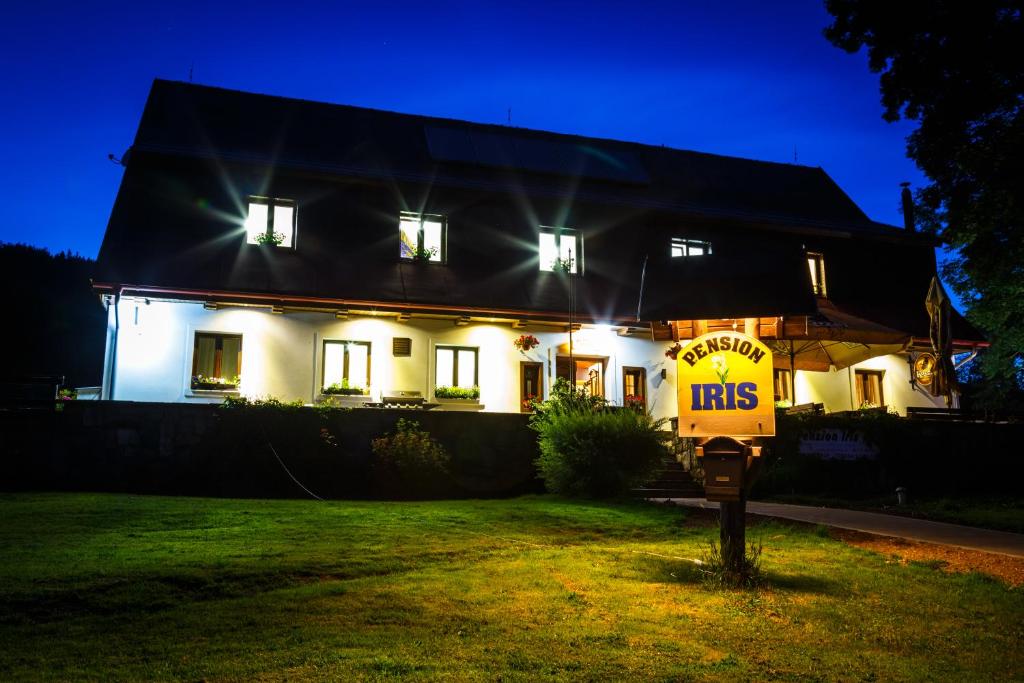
(908, 207)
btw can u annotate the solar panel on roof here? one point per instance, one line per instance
(503, 150)
(493, 150)
(451, 144)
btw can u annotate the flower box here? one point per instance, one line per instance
(466, 404)
(344, 400)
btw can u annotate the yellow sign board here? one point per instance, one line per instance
(924, 369)
(725, 386)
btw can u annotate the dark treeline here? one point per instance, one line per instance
(54, 322)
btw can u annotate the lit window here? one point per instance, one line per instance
(816, 264)
(869, 388)
(634, 388)
(456, 367)
(216, 361)
(683, 247)
(270, 221)
(347, 366)
(783, 384)
(559, 250)
(421, 237)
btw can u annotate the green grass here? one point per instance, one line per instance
(1004, 514)
(110, 587)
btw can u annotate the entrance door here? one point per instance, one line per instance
(531, 385)
(585, 372)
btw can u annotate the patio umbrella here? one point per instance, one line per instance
(833, 338)
(940, 312)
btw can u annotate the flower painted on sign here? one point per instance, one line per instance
(720, 367)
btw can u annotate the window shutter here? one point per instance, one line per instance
(401, 346)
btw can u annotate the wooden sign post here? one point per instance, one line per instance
(726, 402)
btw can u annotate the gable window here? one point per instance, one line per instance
(422, 237)
(346, 367)
(816, 264)
(456, 367)
(559, 250)
(270, 221)
(869, 388)
(783, 385)
(634, 389)
(216, 361)
(684, 247)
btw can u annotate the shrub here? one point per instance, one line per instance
(413, 457)
(587, 449)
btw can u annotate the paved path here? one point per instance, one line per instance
(987, 540)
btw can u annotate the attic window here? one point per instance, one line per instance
(422, 237)
(816, 264)
(270, 221)
(684, 247)
(559, 250)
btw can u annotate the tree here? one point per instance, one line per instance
(55, 324)
(957, 68)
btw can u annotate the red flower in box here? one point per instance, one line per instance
(525, 342)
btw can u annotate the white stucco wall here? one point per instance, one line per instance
(282, 354)
(838, 391)
(282, 357)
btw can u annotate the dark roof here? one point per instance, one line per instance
(194, 120)
(200, 150)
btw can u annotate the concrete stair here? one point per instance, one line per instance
(671, 481)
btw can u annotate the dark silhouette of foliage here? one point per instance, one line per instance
(55, 324)
(957, 68)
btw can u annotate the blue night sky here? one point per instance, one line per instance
(750, 79)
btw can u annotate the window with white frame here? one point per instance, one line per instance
(270, 221)
(456, 366)
(560, 250)
(422, 237)
(216, 361)
(682, 247)
(346, 367)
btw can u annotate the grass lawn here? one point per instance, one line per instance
(129, 587)
(1004, 514)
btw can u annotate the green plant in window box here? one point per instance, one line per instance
(272, 239)
(562, 265)
(424, 254)
(207, 383)
(472, 393)
(343, 388)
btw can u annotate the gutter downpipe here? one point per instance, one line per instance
(113, 343)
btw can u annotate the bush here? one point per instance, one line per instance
(588, 449)
(411, 460)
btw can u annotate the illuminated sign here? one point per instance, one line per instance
(725, 387)
(924, 369)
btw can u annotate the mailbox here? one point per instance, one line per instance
(729, 467)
